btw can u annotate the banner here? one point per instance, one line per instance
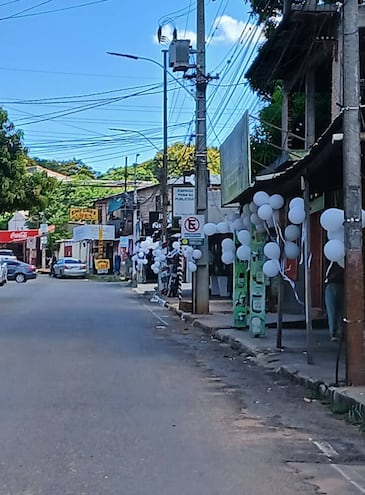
(79, 214)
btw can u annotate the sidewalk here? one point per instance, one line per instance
(291, 360)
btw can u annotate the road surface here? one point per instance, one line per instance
(103, 392)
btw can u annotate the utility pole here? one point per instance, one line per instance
(125, 174)
(354, 284)
(164, 174)
(135, 218)
(201, 276)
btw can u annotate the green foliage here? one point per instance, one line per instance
(12, 167)
(180, 159)
(68, 167)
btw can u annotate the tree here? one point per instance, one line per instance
(67, 167)
(12, 168)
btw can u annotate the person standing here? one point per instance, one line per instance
(334, 300)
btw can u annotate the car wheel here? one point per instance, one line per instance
(20, 278)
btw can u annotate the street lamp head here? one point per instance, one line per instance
(125, 55)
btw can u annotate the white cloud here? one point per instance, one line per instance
(229, 30)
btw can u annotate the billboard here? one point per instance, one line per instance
(94, 232)
(236, 162)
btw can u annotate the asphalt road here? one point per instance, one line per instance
(105, 393)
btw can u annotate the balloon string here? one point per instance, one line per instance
(290, 282)
(304, 236)
(279, 233)
(328, 270)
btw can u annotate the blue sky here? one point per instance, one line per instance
(54, 56)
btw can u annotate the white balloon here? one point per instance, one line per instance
(162, 257)
(243, 253)
(336, 234)
(189, 250)
(332, 219)
(143, 245)
(238, 224)
(296, 203)
(334, 250)
(255, 219)
(265, 212)
(296, 215)
(145, 261)
(246, 222)
(260, 227)
(197, 254)
(227, 257)
(246, 210)
(291, 250)
(276, 201)
(261, 198)
(210, 229)
(272, 250)
(192, 266)
(292, 232)
(244, 237)
(252, 207)
(176, 245)
(271, 268)
(227, 245)
(222, 228)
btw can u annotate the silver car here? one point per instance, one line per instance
(69, 267)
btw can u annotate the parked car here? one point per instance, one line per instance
(19, 271)
(7, 254)
(3, 272)
(69, 267)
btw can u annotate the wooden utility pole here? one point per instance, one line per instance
(201, 276)
(354, 284)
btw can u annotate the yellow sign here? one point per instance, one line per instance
(83, 214)
(102, 264)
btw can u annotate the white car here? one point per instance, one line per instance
(3, 272)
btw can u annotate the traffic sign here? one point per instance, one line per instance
(192, 229)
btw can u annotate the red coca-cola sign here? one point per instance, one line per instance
(9, 236)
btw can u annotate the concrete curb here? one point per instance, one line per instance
(339, 398)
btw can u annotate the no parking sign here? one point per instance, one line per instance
(192, 229)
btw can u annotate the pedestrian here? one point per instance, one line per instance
(51, 265)
(117, 264)
(334, 300)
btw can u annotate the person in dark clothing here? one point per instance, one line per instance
(334, 300)
(117, 264)
(51, 265)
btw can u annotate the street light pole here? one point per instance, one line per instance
(164, 169)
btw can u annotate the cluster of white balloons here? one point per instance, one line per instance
(296, 213)
(191, 255)
(332, 221)
(141, 250)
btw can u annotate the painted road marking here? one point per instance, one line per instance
(156, 315)
(330, 452)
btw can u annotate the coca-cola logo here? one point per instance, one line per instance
(18, 236)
